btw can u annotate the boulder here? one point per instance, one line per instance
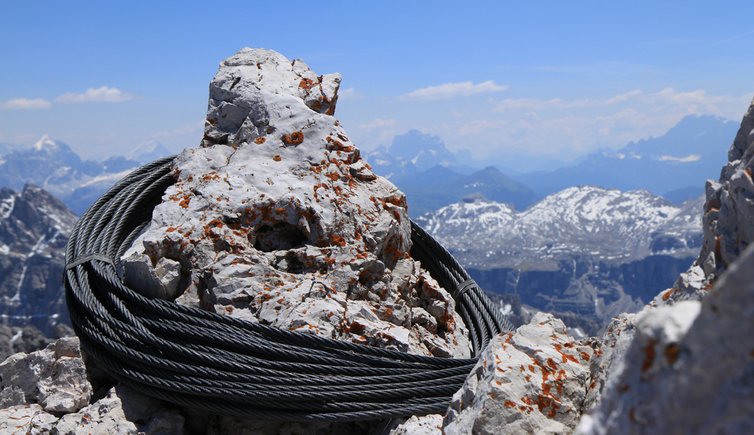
(54, 378)
(533, 380)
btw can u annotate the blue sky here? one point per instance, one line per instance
(555, 79)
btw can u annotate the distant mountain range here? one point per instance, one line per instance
(675, 164)
(52, 165)
(585, 253)
(432, 176)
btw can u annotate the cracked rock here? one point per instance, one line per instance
(54, 377)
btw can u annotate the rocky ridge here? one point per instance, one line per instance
(607, 224)
(680, 355)
(55, 167)
(34, 229)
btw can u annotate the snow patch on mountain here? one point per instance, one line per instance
(605, 223)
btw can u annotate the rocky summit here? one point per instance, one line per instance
(275, 218)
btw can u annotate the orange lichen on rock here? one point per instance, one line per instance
(671, 353)
(295, 138)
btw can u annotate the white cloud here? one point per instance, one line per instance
(620, 98)
(188, 129)
(452, 90)
(26, 104)
(377, 123)
(103, 94)
(565, 128)
(695, 102)
(687, 159)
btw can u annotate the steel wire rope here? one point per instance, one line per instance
(224, 365)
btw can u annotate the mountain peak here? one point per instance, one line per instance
(46, 143)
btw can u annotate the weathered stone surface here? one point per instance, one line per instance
(54, 377)
(690, 367)
(533, 380)
(26, 420)
(609, 358)
(122, 411)
(728, 220)
(47, 391)
(277, 219)
(424, 425)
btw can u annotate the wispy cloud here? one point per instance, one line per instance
(568, 127)
(378, 123)
(26, 104)
(182, 130)
(693, 102)
(686, 159)
(452, 90)
(103, 94)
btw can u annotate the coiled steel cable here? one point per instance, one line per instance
(229, 366)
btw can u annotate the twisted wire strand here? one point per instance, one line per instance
(225, 365)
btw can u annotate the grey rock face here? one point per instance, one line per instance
(55, 378)
(728, 220)
(34, 229)
(424, 425)
(122, 411)
(48, 391)
(678, 354)
(689, 368)
(277, 219)
(26, 420)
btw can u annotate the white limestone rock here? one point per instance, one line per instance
(54, 377)
(277, 219)
(689, 368)
(26, 420)
(425, 425)
(533, 380)
(121, 412)
(47, 391)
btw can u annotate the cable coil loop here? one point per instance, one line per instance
(224, 365)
